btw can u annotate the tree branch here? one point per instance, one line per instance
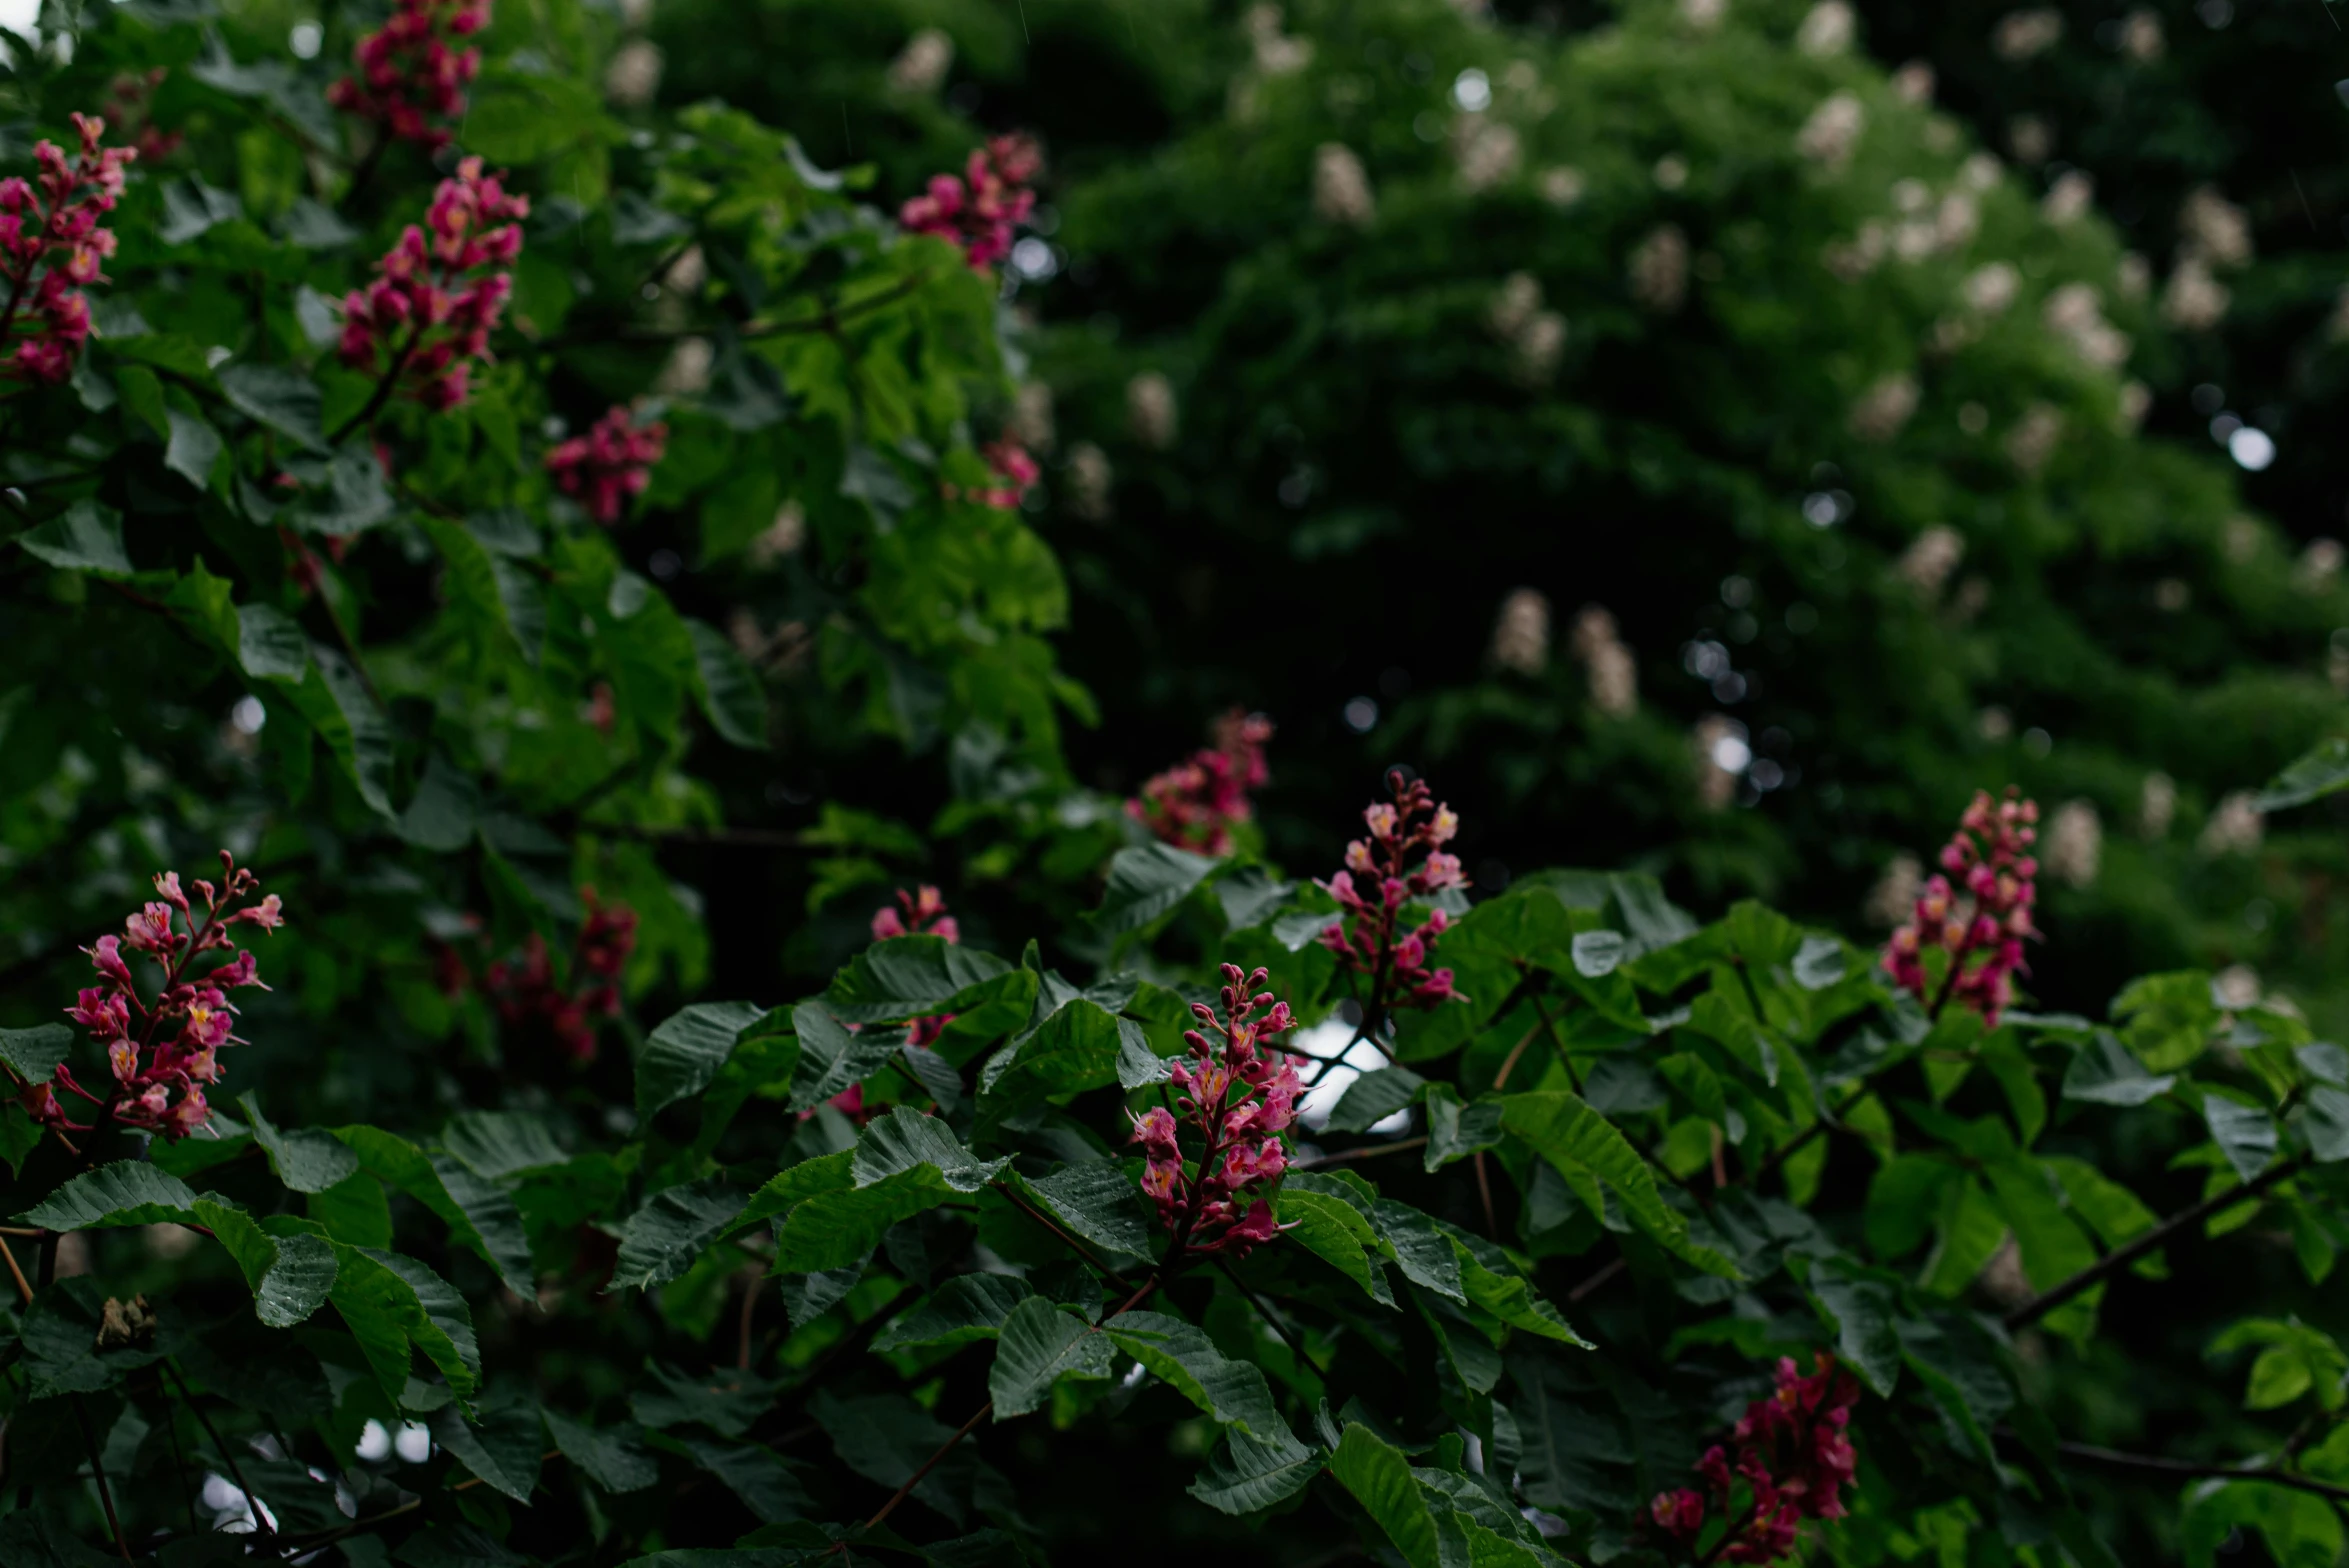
(2187, 1469)
(2129, 1252)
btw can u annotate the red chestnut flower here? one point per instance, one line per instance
(530, 989)
(1194, 805)
(426, 319)
(408, 76)
(1237, 1100)
(609, 464)
(163, 1053)
(49, 225)
(1371, 940)
(980, 210)
(1015, 471)
(1794, 1457)
(924, 915)
(1982, 931)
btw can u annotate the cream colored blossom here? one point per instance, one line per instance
(1341, 187)
(1562, 186)
(1031, 416)
(2023, 35)
(1089, 481)
(1151, 411)
(2157, 805)
(2193, 299)
(1914, 83)
(1991, 288)
(1607, 662)
(1487, 153)
(1832, 133)
(1658, 270)
(2319, 567)
(1826, 30)
(686, 372)
(1521, 632)
(633, 78)
(1926, 564)
(1714, 739)
(1884, 408)
(2068, 199)
(2033, 440)
(2072, 846)
(2141, 36)
(2075, 314)
(782, 537)
(921, 66)
(1894, 897)
(2235, 828)
(2214, 228)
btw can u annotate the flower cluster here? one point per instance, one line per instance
(609, 464)
(924, 915)
(50, 225)
(979, 210)
(529, 990)
(163, 1053)
(128, 104)
(1238, 1099)
(1193, 805)
(427, 317)
(408, 75)
(1982, 933)
(1014, 470)
(1792, 1453)
(1371, 939)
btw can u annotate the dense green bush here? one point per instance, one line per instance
(580, 555)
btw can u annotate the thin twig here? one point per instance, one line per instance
(1368, 1151)
(750, 1299)
(235, 1471)
(2129, 1252)
(1074, 1245)
(2186, 1469)
(81, 1415)
(1591, 1285)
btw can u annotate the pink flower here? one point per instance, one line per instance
(56, 226)
(610, 464)
(408, 76)
(1979, 943)
(1371, 939)
(1235, 1102)
(1194, 805)
(979, 211)
(1155, 1132)
(426, 319)
(529, 995)
(156, 1073)
(1015, 471)
(1794, 1456)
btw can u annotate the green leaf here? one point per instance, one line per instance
(1455, 1131)
(662, 1239)
(2104, 1073)
(965, 1308)
(888, 1439)
(1078, 1047)
(832, 1059)
(730, 693)
(1586, 1149)
(85, 537)
(2324, 1122)
(1234, 1393)
(1336, 1232)
(726, 1402)
(758, 1475)
(909, 977)
(394, 1305)
(2245, 1134)
(285, 400)
(1493, 1284)
(1380, 1478)
(1145, 882)
(306, 1159)
(193, 449)
(1247, 1473)
(479, 1214)
(2311, 777)
(1098, 1201)
(1862, 1311)
(33, 1054)
(127, 1192)
(1039, 1344)
(611, 1458)
(686, 1051)
(1596, 953)
(1903, 1200)
(1423, 1251)
(502, 1448)
(269, 645)
(1374, 1097)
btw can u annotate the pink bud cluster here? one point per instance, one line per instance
(408, 75)
(529, 990)
(609, 464)
(1194, 805)
(1983, 932)
(1793, 1455)
(1237, 1099)
(1371, 940)
(162, 1054)
(1014, 469)
(49, 225)
(980, 210)
(426, 318)
(924, 915)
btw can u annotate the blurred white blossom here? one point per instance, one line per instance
(921, 66)
(1341, 187)
(1151, 412)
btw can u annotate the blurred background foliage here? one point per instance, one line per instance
(1700, 435)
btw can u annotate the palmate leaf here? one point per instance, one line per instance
(2311, 777)
(394, 1305)
(480, 1214)
(1586, 1149)
(686, 1051)
(1381, 1480)
(662, 1239)
(501, 1446)
(836, 1209)
(909, 977)
(1147, 881)
(305, 1159)
(1038, 1344)
(964, 1308)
